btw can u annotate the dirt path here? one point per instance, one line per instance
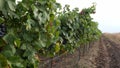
(104, 54)
(102, 60)
(109, 53)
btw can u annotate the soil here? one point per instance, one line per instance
(105, 53)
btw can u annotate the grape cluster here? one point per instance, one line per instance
(2, 30)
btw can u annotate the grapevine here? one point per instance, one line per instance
(34, 28)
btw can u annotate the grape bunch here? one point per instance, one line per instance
(2, 30)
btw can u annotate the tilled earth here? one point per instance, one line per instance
(104, 54)
(109, 53)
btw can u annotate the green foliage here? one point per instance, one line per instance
(3, 62)
(34, 27)
(77, 27)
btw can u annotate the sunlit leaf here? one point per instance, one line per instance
(57, 47)
(11, 5)
(17, 42)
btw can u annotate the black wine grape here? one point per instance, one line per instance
(2, 30)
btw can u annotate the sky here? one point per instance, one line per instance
(107, 12)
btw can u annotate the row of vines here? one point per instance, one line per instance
(33, 28)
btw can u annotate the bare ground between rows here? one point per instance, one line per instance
(104, 54)
(109, 53)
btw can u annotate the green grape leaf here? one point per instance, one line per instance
(57, 47)
(2, 4)
(11, 5)
(3, 62)
(1, 20)
(17, 42)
